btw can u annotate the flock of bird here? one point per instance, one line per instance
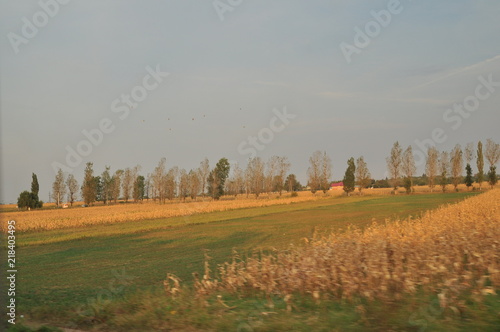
(192, 119)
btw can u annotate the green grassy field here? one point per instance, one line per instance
(62, 270)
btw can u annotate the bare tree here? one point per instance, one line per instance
(319, 171)
(431, 166)
(59, 188)
(236, 184)
(444, 165)
(204, 171)
(394, 162)
(194, 183)
(314, 172)
(271, 169)
(72, 188)
(469, 153)
(457, 165)
(492, 155)
(492, 152)
(408, 168)
(116, 185)
(183, 184)
(326, 172)
(283, 167)
(107, 187)
(158, 181)
(248, 180)
(171, 182)
(363, 176)
(255, 173)
(128, 183)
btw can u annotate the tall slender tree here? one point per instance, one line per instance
(349, 178)
(480, 165)
(116, 185)
(363, 176)
(468, 176)
(431, 166)
(314, 172)
(35, 188)
(107, 185)
(204, 171)
(326, 172)
(158, 181)
(98, 188)
(283, 167)
(127, 183)
(89, 187)
(72, 185)
(456, 161)
(492, 155)
(59, 188)
(408, 167)
(469, 155)
(194, 183)
(394, 162)
(183, 184)
(444, 165)
(271, 169)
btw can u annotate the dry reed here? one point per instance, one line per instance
(446, 251)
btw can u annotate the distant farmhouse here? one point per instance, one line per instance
(337, 186)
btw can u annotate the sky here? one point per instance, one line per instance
(127, 82)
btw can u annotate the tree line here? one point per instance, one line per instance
(267, 177)
(443, 167)
(164, 184)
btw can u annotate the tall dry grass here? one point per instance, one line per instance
(447, 251)
(48, 219)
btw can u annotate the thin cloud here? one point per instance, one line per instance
(459, 71)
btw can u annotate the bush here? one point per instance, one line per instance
(28, 200)
(294, 194)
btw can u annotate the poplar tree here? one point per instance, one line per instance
(89, 186)
(480, 164)
(349, 179)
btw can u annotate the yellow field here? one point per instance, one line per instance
(446, 251)
(53, 218)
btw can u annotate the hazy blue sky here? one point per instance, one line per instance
(228, 75)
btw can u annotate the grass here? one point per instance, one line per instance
(65, 267)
